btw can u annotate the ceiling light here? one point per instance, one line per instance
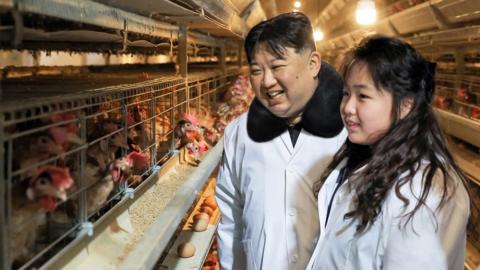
(297, 4)
(366, 14)
(317, 34)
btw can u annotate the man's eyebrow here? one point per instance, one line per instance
(279, 57)
(360, 86)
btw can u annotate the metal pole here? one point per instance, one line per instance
(182, 58)
(223, 58)
(5, 262)
(240, 54)
(460, 66)
(82, 212)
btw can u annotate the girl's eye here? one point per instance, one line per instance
(362, 96)
(277, 67)
(346, 94)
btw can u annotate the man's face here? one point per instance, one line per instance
(283, 84)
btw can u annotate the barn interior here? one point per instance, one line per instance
(94, 96)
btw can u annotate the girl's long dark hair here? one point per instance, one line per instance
(398, 68)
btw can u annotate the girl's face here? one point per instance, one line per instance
(366, 110)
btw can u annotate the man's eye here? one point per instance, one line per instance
(255, 72)
(277, 67)
(346, 94)
(362, 96)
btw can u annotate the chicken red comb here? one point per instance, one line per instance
(64, 135)
(139, 160)
(59, 134)
(203, 145)
(192, 118)
(475, 113)
(60, 176)
(130, 119)
(104, 106)
(211, 134)
(58, 117)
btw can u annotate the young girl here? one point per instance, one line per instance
(393, 197)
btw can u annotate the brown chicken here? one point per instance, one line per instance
(462, 94)
(45, 188)
(187, 130)
(103, 152)
(100, 191)
(190, 154)
(443, 102)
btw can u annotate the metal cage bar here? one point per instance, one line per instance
(162, 101)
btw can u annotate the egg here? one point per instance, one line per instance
(210, 202)
(200, 225)
(201, 216)
(206, 209)
(186, 250)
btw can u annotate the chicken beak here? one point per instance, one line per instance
(62, 195)
(73, 138)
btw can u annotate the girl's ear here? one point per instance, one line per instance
(315, 63)
(406, 106)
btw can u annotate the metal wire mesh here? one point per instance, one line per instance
(84, 133)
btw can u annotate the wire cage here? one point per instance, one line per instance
(69, 159)
(460, 96)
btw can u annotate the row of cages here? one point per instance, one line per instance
(461, 95)
(395, 6)
(67, 161)
(463, 99)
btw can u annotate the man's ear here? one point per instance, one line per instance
(406, 106)
(314, 63)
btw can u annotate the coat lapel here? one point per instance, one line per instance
(324, 195)
(285, 137)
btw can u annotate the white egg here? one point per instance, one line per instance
(186, 250)
(200, 225)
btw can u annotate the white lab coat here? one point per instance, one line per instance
(264, 192)
(424, 243)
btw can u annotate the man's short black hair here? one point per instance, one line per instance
(292, 30)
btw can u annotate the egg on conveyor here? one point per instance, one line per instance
(210, 202)
(186, 250)
(200, 224)
(207, 210)
(200, 216)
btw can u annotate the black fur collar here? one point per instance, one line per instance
(321, 116)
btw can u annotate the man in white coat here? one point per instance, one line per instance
(276, 151)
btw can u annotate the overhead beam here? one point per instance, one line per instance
(440, 19)
(93, 13)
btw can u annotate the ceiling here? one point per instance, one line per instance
(310, 8)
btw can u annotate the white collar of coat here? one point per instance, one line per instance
(321, 116)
